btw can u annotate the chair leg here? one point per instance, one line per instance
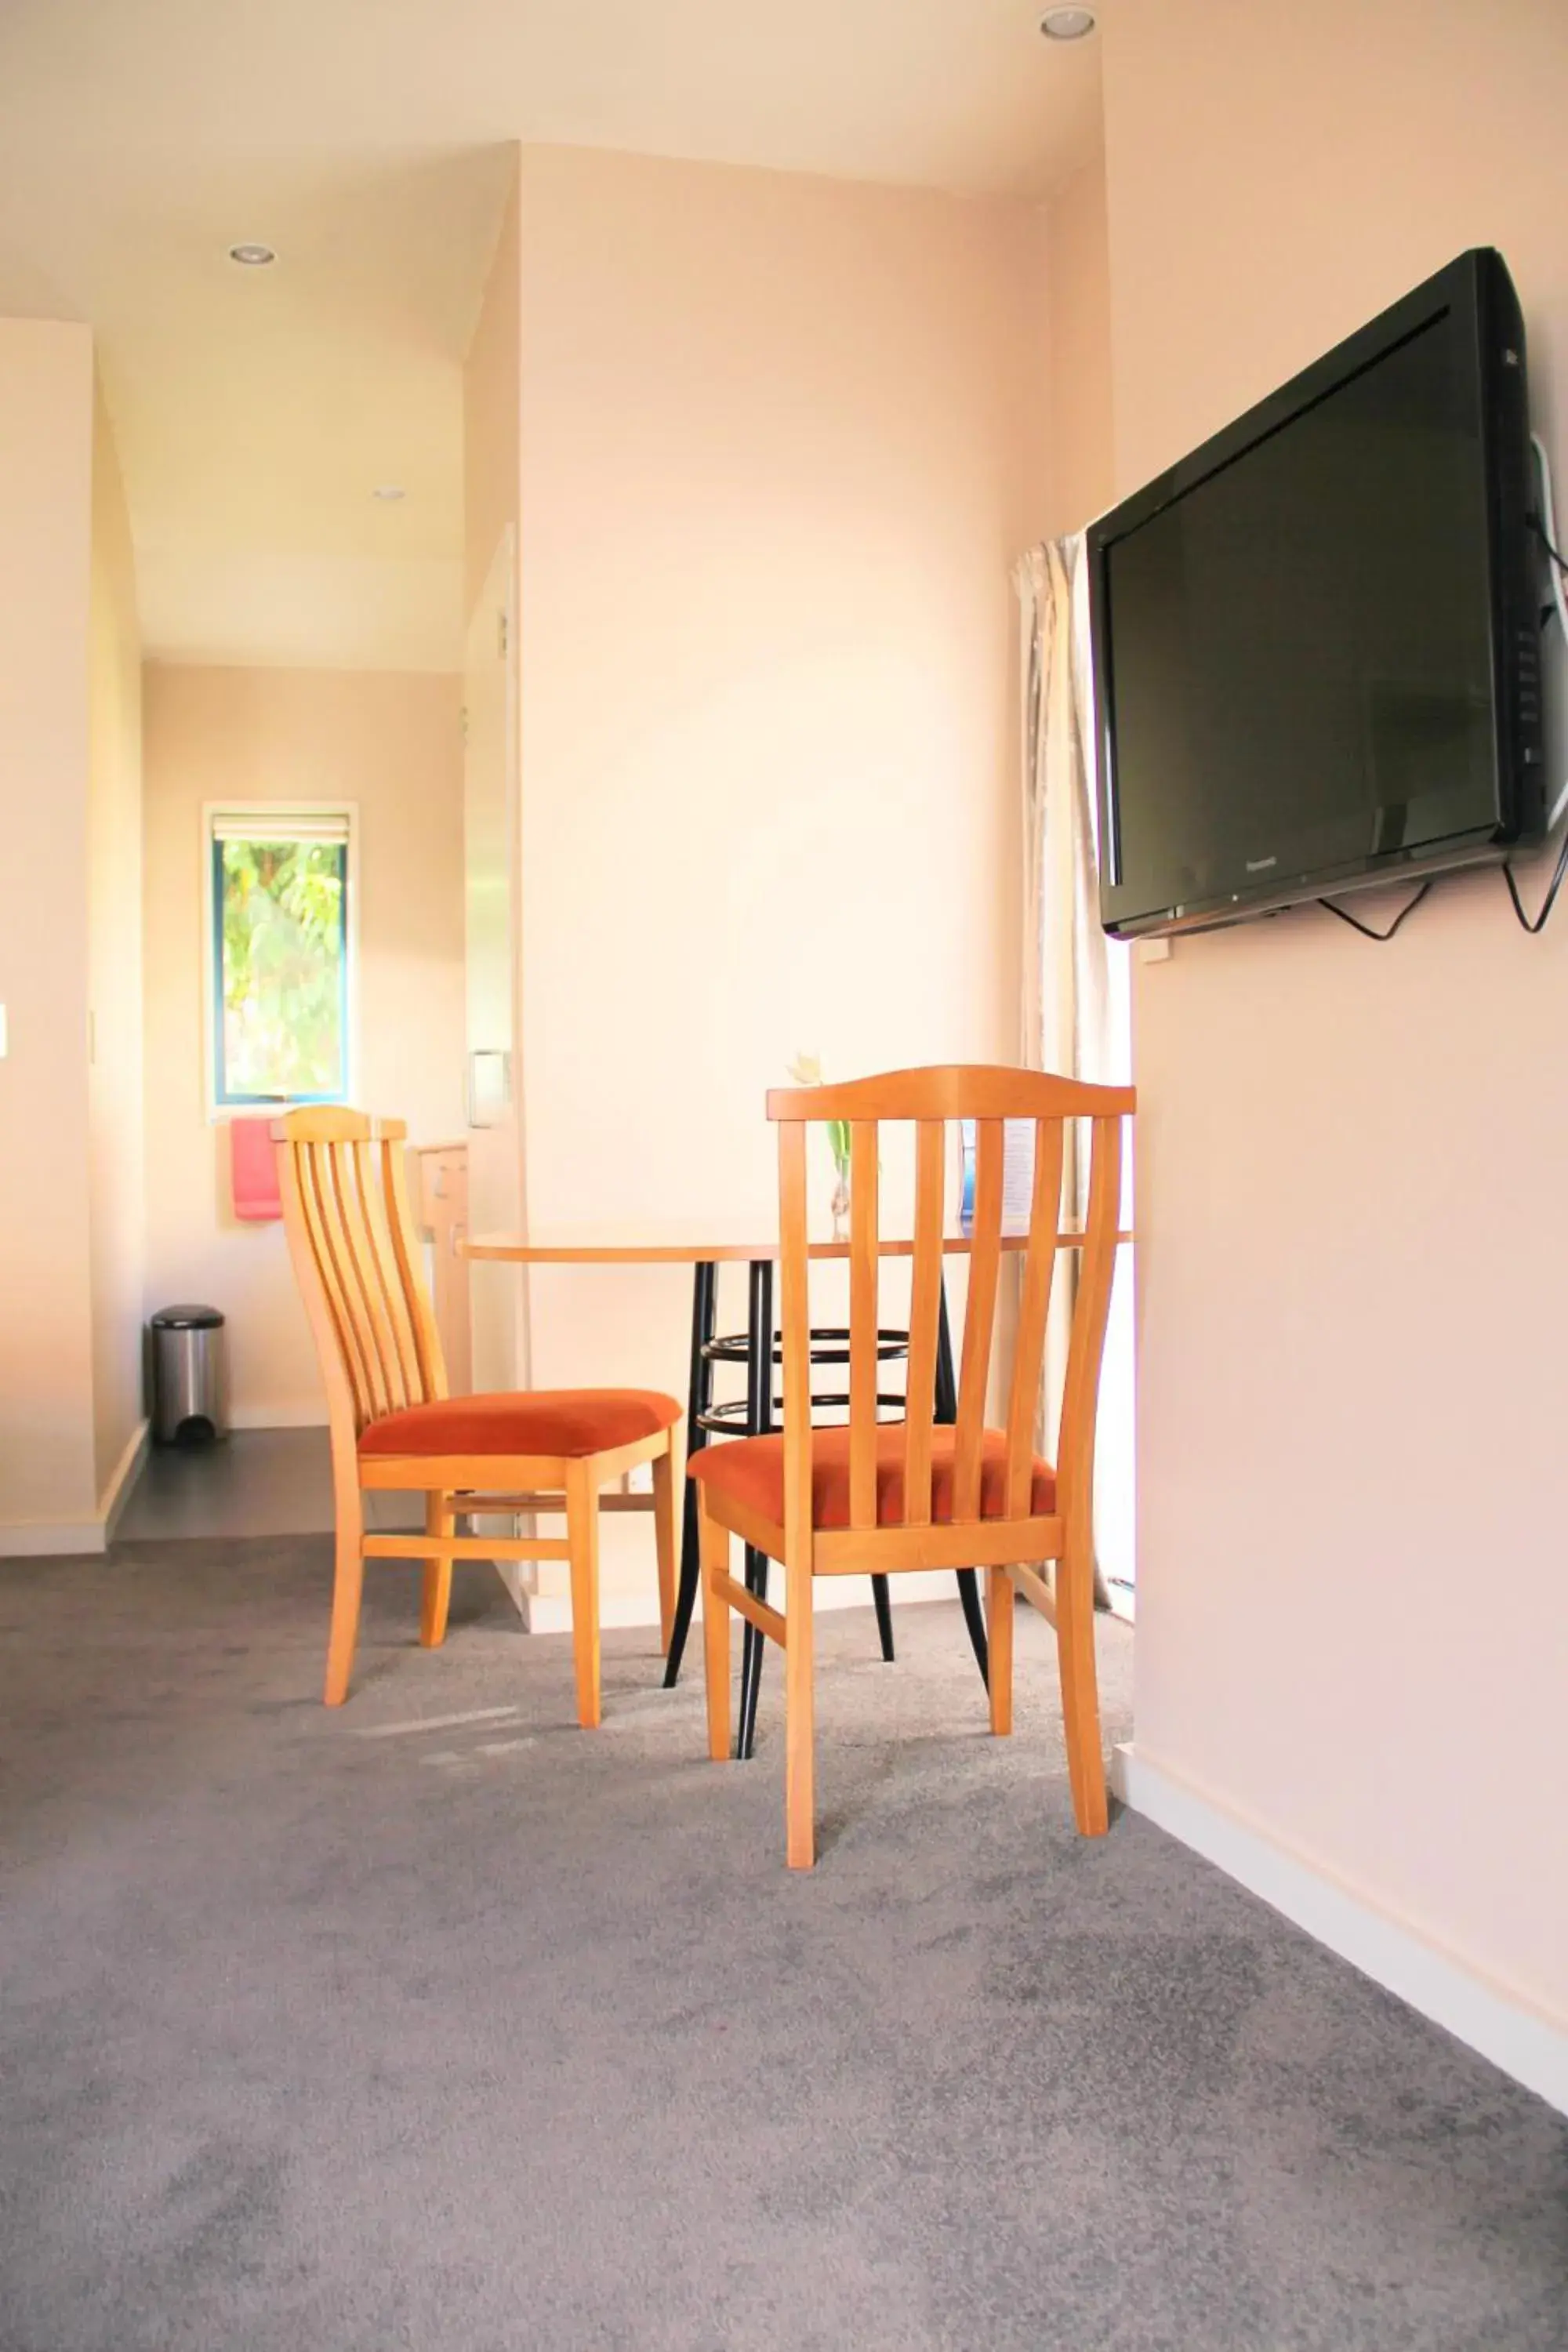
(348, 1580)
(800, 1728)
(435, 1594)
(667, 1498)
(999, 1608)
(759, 1422)
(715, 1542)
(1081, 1696)
(583, 1539)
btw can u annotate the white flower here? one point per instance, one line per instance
(806, 1069)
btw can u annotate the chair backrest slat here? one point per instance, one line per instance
(406, 1255)
(400, 1359)
(1033, 1312)
(345, 1206)
(316, 1268)
(1092, 1311)
(863, 1320)
(796, 1322)
(364, 1302)
(979, 1317)
(930, 1098)
(319, 1177)
(925, 1321)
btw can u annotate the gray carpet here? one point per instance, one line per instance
(331, 2031)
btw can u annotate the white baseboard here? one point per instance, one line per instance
(551, 1612)
(311, 1415)
(123, 1479)
(75, 1539)
(1520, 2040)
(50, 1538)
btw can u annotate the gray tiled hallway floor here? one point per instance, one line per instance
(257, 1482)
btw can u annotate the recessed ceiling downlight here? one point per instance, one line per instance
(252, 257)
(1067, 24)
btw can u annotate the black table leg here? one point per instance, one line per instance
(759, 1422)
(698, 1396)
(884, 1608)
(946, 1410)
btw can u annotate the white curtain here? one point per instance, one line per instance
(1076, 1016)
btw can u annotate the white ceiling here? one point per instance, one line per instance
(369, 142)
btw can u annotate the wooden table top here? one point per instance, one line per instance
(512, 1250)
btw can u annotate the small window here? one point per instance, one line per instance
(281, 950)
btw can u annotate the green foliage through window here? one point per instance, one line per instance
(280, 920)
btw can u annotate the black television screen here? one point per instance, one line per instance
(1316, 638)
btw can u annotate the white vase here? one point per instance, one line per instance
(840, 1205)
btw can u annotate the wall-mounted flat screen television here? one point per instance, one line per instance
(1317, 640)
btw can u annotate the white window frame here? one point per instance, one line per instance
(279, 813)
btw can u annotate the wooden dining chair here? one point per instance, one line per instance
(911, 1495)
(393, 1427)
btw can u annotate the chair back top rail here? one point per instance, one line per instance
(352, 1238)
(930, 1098)
(955, 1090)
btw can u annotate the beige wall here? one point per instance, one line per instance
(117, 1225)
(1353, 1273)
(46, 1465)
(393, 744)
(783, 439)
(1077, 286)
(780, 447)
(490, 412)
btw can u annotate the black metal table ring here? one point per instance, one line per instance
(829, 1345)
(729, 1420)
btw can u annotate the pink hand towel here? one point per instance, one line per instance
(253, 1171)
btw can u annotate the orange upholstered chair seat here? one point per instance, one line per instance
(566, 1423)
(750, 1472)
